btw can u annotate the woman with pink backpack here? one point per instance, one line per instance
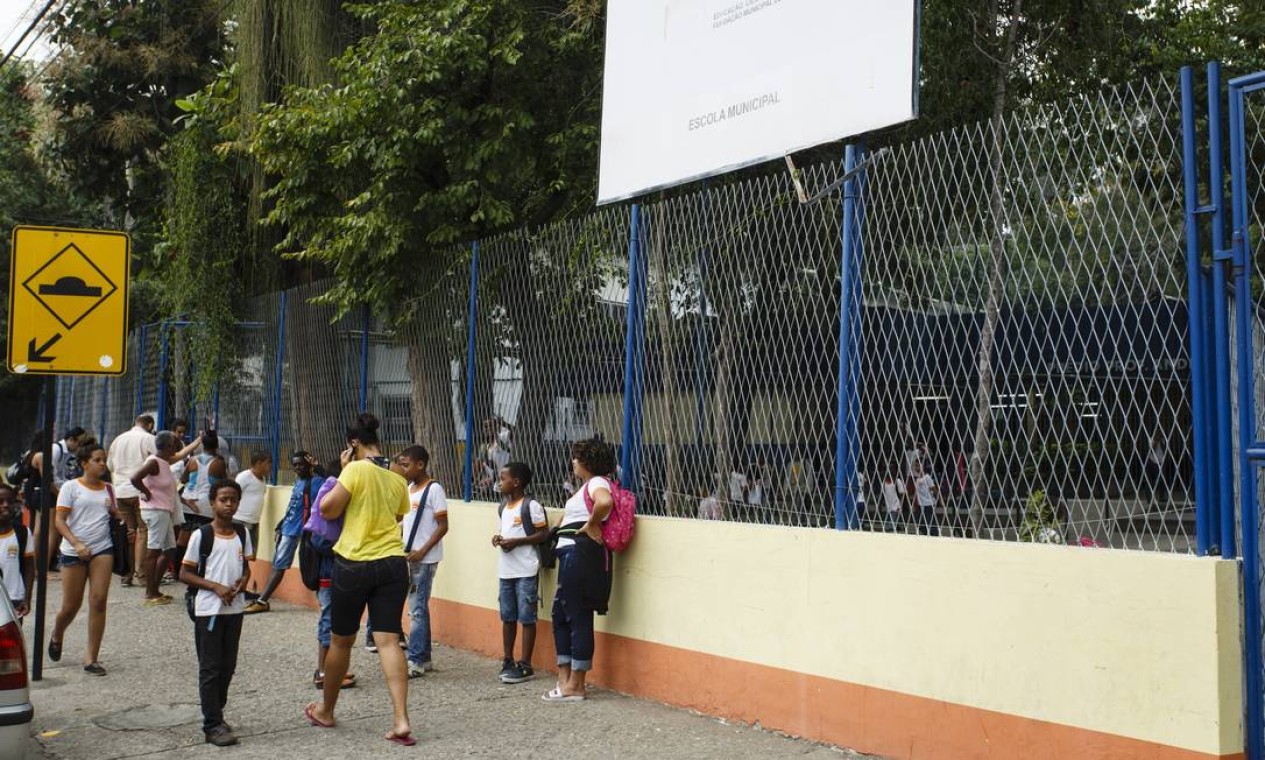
(584, 568)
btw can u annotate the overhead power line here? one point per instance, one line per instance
(34, 23)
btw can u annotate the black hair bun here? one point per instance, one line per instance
(367, 421)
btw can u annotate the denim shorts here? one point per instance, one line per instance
(518, 600)
(283, 558)
(71, 560)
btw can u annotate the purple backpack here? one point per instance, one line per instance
(329, 530)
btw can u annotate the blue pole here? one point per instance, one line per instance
(632, 358)
(1210, 380)
(468, 487)
(278, 376)
(846, 422)
(1221, 317)
(366, 315)
(105, 402)
(139, 372)
(1254, 688)
(1194, 315)
(215, 406)
(163, 358)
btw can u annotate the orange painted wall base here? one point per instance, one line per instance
(864, 718)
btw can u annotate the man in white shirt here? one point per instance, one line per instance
(254, 490)
(127, 454)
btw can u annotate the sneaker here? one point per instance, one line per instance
(221, 736)
(526, 669)
(370, 645)
(416, 670)
(517, 673)
(507, 669)
(256, 607)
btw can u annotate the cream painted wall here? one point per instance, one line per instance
(1143, 645)
(1137, 644)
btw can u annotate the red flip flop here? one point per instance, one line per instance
(315, 721)
(406, 740)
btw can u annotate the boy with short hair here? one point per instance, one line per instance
(306, 485)
(17, 552)
(424, 530)
(254, 489)
(518, 567)
(220, 581)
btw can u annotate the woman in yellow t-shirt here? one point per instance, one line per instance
(370, 570)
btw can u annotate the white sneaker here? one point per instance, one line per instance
(416, 670)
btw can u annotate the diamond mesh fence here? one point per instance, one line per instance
(1015, 334)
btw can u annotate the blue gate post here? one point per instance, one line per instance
(365, 316)
(163, 358)
(1250, 457)
(846, 433)
(104, 402)
(1194, 315)
(634, 342)
(1220, 317)
(278, 377)
(139, 372)
(215, 406)
(467, 488)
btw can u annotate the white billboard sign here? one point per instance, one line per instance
(694, 88)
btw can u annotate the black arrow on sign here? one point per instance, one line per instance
(36, 355)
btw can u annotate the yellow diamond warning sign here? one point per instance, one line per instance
(68, 301)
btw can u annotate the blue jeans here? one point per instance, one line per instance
(324, 596)
(572, 621)
(518, 599)
(423, 576)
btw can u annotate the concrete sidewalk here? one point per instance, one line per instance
(147, 705)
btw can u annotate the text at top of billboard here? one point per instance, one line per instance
(695, 88)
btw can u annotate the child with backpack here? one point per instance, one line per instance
(217, 566)
(523, 527)
(424, 529)
(17, 552)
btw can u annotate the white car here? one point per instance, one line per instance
(16, 711)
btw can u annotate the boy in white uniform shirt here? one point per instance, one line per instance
(424, 530)
(17, 553)
(254, 490)
(518, 568)
(218, 605)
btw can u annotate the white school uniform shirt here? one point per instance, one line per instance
(523, 561)
(891, 496)
(128, 453)
(577, 511)
(11, 563)
(709, 508)
(223, 566)
(436, 504)
(87, 516)
(922, 487)
(253, 492)
(737, 486)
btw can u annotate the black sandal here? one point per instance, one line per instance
(94, 669)
(54, 650)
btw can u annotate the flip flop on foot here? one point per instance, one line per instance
(405, 740)
(556, 695)
(54, 650)
(309, 712)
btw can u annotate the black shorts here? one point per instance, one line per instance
(380, 584)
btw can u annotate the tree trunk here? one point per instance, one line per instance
(319, 411)
(432, 396)
(997, 275)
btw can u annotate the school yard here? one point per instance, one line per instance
(147, 705)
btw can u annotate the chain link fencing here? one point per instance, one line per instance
(1015, 362)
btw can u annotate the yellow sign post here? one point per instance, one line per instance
(68, 301)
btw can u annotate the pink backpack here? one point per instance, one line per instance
(617, 531)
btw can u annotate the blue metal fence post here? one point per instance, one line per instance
(1249, 456)
(467, 488)
(215, 406)
(1220, 315)
(1194, 315)
(366, 315)
(1210, 381)
(139, 372)
(846, 422)
(163, 358)
(278, 377)
(634, 354)
(104, 402)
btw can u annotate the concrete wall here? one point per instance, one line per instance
(899, 645)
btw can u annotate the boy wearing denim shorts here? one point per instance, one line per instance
(518, 567)
(306, 486)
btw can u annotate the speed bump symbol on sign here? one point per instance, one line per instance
(68, 301)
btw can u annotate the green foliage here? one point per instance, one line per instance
(1041, 524)
(114, 95)
(453, 120)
